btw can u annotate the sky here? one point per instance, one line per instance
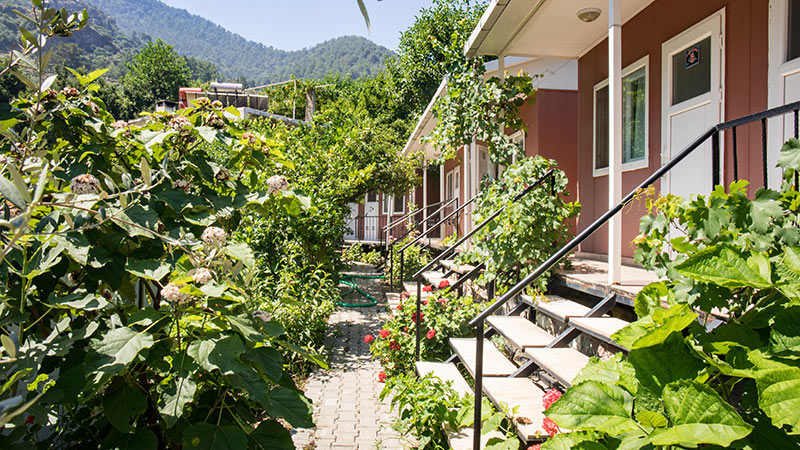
(297, 24)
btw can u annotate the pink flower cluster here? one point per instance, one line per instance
(85, 184)
(548, 425)
(172, 293)
(214, 235)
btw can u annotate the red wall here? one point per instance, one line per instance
(746, 25)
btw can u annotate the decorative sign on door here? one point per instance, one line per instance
(693, 56)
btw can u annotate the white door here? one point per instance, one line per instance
(371, 217)
(352, 222)
(784, 77)
(692, 93)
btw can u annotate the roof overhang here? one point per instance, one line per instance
(539, 28)
(424, 127)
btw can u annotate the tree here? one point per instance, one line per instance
(155, 73)
(10, 86)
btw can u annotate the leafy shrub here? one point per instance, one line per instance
(527, 232)
(686, 383)
(356, 253)
(443, 316)
(414, 258)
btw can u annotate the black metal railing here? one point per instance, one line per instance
(367, 228)
(390, 248)
(399, 222)
(450, 250)
(714, 134)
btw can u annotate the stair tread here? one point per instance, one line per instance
(563, 363)
(463, 438)
(520, 332)
(445, 372)
(558, 307)
(450, 264)
(604, 326)
(523, 394)
(433, 277)
(411, 288)
(494, 363)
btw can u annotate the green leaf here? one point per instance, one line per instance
(659, 365)
(267, 360)
(616, 370)
(142, 439)
(241, 252)
(764, 209)
(205, 436)
(569, 441)
(123, 405)
(594, 406)
(76, 246)
(651, 419)
(119, 347)
(778, 383)
(650, 298)
(724, 266)
(790, 155)
(271, 435)
(178, 391)
(656, 328)
(290, 405)
(148, 269)
(784, 336)
(699, 416)
(217, 354)
(12, 194)
(82, 301)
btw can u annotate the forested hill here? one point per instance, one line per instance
(236, 56)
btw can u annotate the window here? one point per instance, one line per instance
(793, 34)
(634, 120)
(453, 184)
(691, 72)
(399, 206)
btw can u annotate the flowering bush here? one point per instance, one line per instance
(443, 317)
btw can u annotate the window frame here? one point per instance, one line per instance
(639, 163)
(388, 206)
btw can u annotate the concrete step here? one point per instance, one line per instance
(445, 372)
(494, 363)
(562, 363)
(523, 394)
(462, 269)
(433, 277)
(411, 288)
(600, 327)
(520, 332)
(556, 307)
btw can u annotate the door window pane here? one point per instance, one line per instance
(399, 205)
(691, 72)
(793, 35)
(372, 197)
(634, 120)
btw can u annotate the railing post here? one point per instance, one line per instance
(391, 264)
(714, 160)
(478, 423)
(764, 150)
(418, 320)
(402, 268)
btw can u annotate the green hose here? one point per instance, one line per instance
(348, 280)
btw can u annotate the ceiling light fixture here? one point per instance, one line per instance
(589, 14)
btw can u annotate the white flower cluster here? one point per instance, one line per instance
(180, 123)
(250, 138)
(202, 276)
(182, 185)
(215, 121)
(277, 183)
(172, 293)
(70, 92)
(85, 184)
(119, 124)
(223, 175)
(214, 235)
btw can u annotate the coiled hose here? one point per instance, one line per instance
(349, 280)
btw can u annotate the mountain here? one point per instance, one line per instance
(236, 56)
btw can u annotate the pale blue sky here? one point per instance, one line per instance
(296, 24)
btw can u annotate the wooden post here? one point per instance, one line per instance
(311, 104)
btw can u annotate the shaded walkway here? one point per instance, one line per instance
(347, 410)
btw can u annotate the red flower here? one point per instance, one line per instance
(384, 333)
(550, 427)
(405, 329)
(382, 377)
(368, 338)
(393, 345)
(550, 397)
(443, 301)
(414, 317)
(29, 420)
(427, 288)
(425, 302)
(431, 334)
(443, 284)
(404, 295)
(400, 307)
(535, 447)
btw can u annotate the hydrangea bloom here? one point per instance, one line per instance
(202, 276)
(182, 185)
(70, 92)
(277, 183)
(550, 397)
(179, 123)
(85, 184)
(119, 124)
(214, 235)
(250, 138)
(172, 293)
(216, 104)
(215, 121)
(223, 175)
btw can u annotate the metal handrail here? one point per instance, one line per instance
(430, 229)
(400, 220)
(712, 133)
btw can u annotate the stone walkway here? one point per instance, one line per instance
(347, 409)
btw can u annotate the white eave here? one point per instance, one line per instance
(540, 28)
(424, 127)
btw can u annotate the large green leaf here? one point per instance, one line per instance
(573, 440)
(242, 252)
(778, 383)
(292, 406)
(617, 370)
(660, 365)
(726, 267)
(142, 439)
(656, 328)
(123, 405)
(594, 406)
(270, 435)
(205, 436)
(118, 348)
(650, 298)
(698, 416)
(221, 353)
(148, 269)
(178, 390)
(764, 209)
(784, 336)
(267, 360)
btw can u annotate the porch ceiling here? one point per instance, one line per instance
(535, 28)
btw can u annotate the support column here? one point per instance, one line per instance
(425, 197)
(615, 138)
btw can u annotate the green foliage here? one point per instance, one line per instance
(356, 253)
(443, 316)
(427, 407)
(415, 258)
(124, 317)
(525, 234)
(685, 385)
(155, 73)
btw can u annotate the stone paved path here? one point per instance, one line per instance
(347, 410)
